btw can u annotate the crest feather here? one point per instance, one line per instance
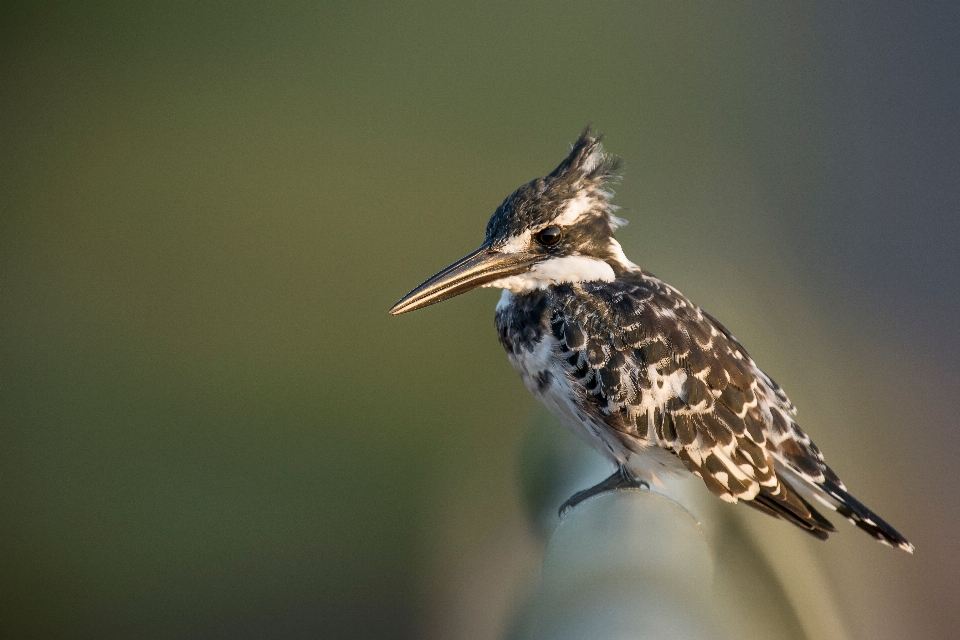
(587, 161)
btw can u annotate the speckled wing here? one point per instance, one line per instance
(659, 371)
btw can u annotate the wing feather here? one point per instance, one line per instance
(657, 370)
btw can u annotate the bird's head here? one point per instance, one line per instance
(551, 230)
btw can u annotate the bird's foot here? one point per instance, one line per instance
(619, 479)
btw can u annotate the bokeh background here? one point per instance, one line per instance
(209, 425)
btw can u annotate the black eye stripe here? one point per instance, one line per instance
(550, 236)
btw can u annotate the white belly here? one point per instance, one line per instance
(545, 376)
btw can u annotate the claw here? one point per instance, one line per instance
(619, 479)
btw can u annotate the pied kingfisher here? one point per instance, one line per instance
(629, 364)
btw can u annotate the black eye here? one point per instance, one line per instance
(550, 236)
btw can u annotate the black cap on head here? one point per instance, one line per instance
(584, 173)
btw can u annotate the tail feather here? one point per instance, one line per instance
(783, 502)
(858, 514)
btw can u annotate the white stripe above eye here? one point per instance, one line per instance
(557, 271)
(575, 209)
(518, 243)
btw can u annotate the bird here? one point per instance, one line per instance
(630, 364)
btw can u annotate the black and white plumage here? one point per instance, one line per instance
(630, 364)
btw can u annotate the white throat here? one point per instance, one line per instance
(556, 271)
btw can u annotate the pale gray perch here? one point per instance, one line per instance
(636, 564)
(625, 564)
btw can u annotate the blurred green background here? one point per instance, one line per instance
(209, 425)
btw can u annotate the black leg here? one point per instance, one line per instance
(619, 479)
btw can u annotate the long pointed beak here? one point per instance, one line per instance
(480, 267)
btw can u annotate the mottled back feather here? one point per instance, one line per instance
(658, 372)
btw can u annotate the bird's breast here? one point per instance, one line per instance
(522, 320)
(524, 331)
(523, 323)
